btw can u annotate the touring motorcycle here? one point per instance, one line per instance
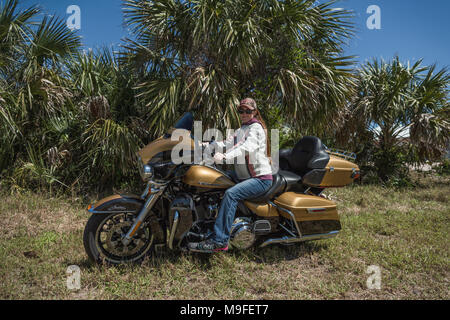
(181, 201)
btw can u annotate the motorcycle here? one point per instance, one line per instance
(181, 201)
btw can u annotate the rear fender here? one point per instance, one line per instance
(117, 204)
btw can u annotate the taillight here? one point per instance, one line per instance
(356, 174)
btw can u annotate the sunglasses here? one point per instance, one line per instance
(247, 111)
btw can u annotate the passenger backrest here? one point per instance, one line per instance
(309, 153)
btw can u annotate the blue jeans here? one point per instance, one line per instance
(244, 190)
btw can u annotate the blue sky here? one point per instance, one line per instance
(412, 29)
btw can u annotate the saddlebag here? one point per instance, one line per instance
(315, 215)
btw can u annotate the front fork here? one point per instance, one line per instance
(153, 192)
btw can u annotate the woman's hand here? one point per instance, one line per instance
(218, 157)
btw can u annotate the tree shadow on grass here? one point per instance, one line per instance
(277, 253)
(270, 255)
(160, 259)
(155, 259)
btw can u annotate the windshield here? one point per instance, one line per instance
(185, 122)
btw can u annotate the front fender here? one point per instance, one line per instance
(128, 204)
(117, 204)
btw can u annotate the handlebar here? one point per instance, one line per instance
(203, 162)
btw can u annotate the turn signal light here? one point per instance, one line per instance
(356, 174)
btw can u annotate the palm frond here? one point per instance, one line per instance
(111, 147)
(15, 33)
(205, 54)
(52, 39)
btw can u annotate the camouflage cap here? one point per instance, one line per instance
(249, 103)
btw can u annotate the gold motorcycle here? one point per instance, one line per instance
(181, 201)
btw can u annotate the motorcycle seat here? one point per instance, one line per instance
(280, 183)
(309, 153)
(290, 178)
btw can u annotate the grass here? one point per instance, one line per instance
(404, 232)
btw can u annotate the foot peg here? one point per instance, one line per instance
(200, 236)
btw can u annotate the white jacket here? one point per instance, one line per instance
(246, 149)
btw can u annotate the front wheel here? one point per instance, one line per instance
(103, 234)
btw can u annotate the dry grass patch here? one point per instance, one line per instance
(404, 232)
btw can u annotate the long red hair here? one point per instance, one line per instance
(252, 104)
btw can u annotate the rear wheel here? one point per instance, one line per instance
(103, 235)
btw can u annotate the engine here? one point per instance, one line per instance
(207, 206)
(192, 219)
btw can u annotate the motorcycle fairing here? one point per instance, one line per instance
(165, 144)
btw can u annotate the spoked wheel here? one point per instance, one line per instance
(103, 239)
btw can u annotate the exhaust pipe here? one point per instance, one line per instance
(176, 218)
(286, 239)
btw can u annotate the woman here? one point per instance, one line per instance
(249, 143)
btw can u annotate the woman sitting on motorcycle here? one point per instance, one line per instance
(255, 173)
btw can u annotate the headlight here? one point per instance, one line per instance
(146, 171)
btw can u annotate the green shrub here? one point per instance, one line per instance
(444, 168)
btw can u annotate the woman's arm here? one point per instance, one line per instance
(256, 136)
(226, 144)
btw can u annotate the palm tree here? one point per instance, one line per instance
(33, 88)
(395, 101)
(29, 60)
(109, 120)
(205, 55)
(14, 33)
